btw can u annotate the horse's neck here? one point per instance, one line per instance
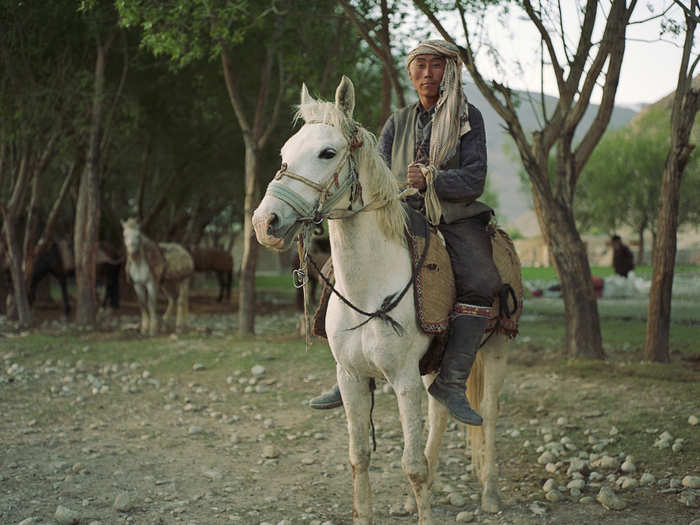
(366, 263)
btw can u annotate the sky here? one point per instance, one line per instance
(649, 69)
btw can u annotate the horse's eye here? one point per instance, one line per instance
(327, 153)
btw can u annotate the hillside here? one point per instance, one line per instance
(504, 163)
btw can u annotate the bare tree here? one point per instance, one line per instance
(256, 132)
(577, 71)
(87, 212)
(686, 103)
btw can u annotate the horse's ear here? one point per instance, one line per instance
(305, 97)
(345, 96)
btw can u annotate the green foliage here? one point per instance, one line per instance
(621, 183)
(188, 30)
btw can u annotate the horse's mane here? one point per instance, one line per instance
(381, 185)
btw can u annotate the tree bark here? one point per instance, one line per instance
(15, 256)
(87, 213)
(19, 287)
(686, 103)
(570, 258)
(386, 73)
(249, 261)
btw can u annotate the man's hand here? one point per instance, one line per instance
(415, 177)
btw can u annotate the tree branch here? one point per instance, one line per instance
(558, 72)
(384, 55)
(272, 122)
(233, 93)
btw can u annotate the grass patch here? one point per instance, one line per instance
(547, 273)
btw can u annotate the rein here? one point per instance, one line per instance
(390, 302)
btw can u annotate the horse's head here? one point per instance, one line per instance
(316, 170)
(132, 235)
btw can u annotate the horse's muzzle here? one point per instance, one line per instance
(267, 230)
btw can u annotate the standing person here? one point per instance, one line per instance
(438, 145)
(623, 259)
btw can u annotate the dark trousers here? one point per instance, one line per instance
(469, 246)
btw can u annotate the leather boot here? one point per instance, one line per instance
(329, 399)
(450, 384)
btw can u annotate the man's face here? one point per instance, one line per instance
(426, 73)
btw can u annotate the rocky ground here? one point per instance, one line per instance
(93, 438)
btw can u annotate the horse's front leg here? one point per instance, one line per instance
(494, 356)
(141, 296)
(409, 394)
(152, 304)
(357, 403)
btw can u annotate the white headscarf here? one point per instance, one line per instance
(450, 120)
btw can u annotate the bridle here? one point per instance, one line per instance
(324, 208)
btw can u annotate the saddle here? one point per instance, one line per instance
(434, 288)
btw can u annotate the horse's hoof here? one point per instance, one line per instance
(490, 504)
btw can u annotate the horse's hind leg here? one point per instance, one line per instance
(151, 306)
(221, 278)
(414, 462)
(494, 356)
(182, 305)
(357, 402)
(170, 296)
(64, 293)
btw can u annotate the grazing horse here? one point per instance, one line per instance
(151, 267)
(217, 261)
(331, 169)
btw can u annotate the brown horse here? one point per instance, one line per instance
(217, 261)
(58, 261)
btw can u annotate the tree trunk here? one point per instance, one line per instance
(246, 296)
(19, 287)
(686, 103)
(656, 345)
(568, 251)
(87, 213)
(385, 108)
(662, 261)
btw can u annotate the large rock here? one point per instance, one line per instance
(608, 499)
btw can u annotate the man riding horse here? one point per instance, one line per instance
(438, 145)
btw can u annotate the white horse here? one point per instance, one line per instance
(371, 262)
(151, 267)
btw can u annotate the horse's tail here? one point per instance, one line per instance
(475, 394)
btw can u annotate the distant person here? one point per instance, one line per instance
(623, 260)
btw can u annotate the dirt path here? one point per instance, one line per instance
(114, 443)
